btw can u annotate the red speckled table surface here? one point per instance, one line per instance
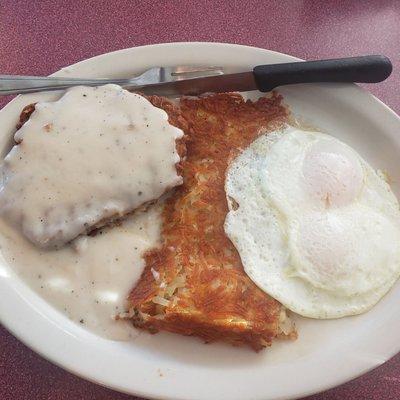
(40, 37)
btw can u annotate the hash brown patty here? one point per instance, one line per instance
(194, 284)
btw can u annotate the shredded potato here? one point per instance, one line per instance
(204, 290)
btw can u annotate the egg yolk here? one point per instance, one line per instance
(332, 174)
(324, 241)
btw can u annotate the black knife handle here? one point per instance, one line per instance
(352, 69)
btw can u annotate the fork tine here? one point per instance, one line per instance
(176, 73)
(190, 69)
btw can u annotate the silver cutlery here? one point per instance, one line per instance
(19, 84)
(195, 80)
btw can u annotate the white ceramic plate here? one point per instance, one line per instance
(168, 366)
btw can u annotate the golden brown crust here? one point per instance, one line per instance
(195, 284)
(25, 114)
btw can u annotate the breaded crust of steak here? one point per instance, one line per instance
(194, 284)
(174, 118)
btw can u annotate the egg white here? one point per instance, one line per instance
(315, 226)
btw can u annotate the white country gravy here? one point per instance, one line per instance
(90, 278)
(95, 154)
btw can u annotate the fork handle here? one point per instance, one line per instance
(19, 84)
(353, 69)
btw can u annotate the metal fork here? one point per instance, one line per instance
(19, 84)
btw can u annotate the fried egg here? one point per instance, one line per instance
(315, 225)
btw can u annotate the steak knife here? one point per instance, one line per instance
(364, 69)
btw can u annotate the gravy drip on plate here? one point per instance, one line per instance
(90, 278)
(93, 155)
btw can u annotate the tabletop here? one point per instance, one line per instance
(40, 37)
